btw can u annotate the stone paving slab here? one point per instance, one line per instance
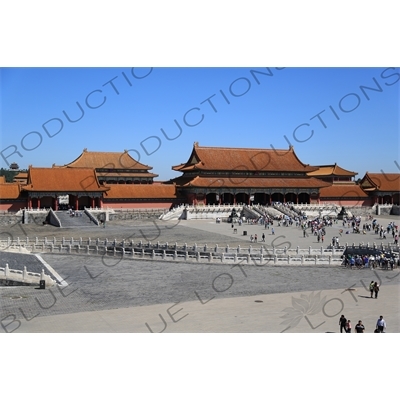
(193, 231)
(252, 314)
(106, 285)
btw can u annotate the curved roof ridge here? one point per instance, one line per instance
(243, 159)
(104, 159)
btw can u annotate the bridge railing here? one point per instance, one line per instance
(187, 252)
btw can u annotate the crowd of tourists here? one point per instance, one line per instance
(382, 260)
(383, 231)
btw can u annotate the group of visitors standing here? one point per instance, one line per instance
(345, 325)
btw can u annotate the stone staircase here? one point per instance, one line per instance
(188, 212)
(79, 220)
(270, 212)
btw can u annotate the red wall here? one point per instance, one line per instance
(15, 206)
(118, 205)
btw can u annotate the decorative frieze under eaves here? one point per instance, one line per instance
(250, 191)
(57, 194)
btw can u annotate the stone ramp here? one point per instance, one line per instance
(80, 219)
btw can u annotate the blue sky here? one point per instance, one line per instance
(138, 108)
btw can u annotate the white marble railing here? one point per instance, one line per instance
(29, 278)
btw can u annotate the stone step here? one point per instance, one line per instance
(67, 221)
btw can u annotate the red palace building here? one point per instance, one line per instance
(211, 175)
(215, 175)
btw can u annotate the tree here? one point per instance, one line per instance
(9, 174)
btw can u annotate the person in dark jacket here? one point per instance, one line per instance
(342, 324)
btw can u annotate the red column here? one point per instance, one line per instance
(38, 202)
(92, 202)
(55, 204)
(29, 202)
(76, 203)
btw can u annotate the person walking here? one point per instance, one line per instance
(381, 325)
(348, 326)
(360, 328)
(371, 288)
(263, 238)
(376, 289)
(342, 324)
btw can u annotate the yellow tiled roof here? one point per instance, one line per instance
(9, 190)
(62, 180)
(111, 160)
(242, 159)
(382, 182)
(331, 170)
(140, 191)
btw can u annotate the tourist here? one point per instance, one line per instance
(376, 289)
(263, 237)
(371, 288)
(381, 325)
(255, 238)
(360, 328)
(372, 263)
(342, 323)
(348, 326)
(272, 231)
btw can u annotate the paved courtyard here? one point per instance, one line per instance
(113, 295)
